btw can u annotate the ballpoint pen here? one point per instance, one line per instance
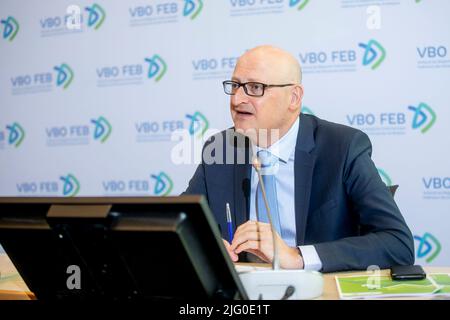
(229, 223)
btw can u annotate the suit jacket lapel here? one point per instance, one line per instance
(303, 170)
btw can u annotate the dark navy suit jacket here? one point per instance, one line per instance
(342, 207)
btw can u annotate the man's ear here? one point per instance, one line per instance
(296, 96)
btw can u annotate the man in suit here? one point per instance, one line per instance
(329, 206)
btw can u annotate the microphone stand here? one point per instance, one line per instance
(276, 258)
(279, 283)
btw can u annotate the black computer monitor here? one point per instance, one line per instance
(124, 248)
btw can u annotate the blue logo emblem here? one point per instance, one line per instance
(301, 3)
(11, 28)
(96, 16)
(64, 75)
(157, 67)
(429, 247)
(199, 124)
(102, 129)
(16, 134)
(163, 185)
(385, 177)
(307, 110)
(192, 8)
(371, 56)
(424, 117)
(71, 186)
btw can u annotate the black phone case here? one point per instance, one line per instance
(408, 273)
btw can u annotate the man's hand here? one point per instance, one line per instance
(256, 238)
(231, 253)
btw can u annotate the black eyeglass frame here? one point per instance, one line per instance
(244, 85)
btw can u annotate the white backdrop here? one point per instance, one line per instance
(87, 106)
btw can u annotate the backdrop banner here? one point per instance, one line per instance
(92, 92)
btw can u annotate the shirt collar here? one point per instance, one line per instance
(285, 147)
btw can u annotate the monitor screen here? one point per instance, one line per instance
(118, 248)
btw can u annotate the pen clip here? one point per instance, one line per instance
(228, 212)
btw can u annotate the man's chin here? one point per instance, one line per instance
(246, 129)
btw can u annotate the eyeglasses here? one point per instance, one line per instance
(254, 89)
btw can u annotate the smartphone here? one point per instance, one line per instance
(407, 273)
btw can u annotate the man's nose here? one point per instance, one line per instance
(239, 97)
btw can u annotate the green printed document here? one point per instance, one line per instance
(376, 286)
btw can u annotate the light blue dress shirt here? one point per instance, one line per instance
(284, 149)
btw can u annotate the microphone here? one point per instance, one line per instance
(276, 283)
(276, 258)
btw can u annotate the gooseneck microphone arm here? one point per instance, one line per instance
(275, 261)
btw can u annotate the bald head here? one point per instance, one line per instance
(274, 64)
(279, 105)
